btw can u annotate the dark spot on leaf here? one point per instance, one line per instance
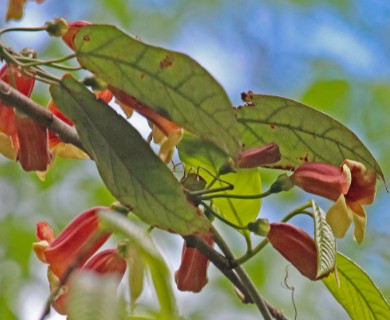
(305, 158)
(272, 126)
(142, 75)
(166, 62)
(86, 38)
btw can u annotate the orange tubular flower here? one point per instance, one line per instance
(29, 139)
(192, 273)
(165, 133)
(351, 186)
(296, 246)
(72, 244)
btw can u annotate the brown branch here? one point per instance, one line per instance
(14, 99)
(225, 266)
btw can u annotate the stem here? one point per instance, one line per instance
(207, 191)
(23, 29)
(238, 196)
(246, 281)
(218, 216)
(247, 256)
(36, 62)
(215, 179)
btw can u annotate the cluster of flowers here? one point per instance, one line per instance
(350, 186)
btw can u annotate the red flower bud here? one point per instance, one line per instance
(322, 179)
(259, 156)
(107, 262)
(296, 246)
(192, 273)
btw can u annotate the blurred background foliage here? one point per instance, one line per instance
(333, 55)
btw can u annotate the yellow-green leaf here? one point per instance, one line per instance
(126, 163)
(201, 157)
(302, 133)
(357, 294)
(169, 82)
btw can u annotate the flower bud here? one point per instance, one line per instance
(322, 179)
(296, 246)
(259, 156)
(57, 27)
(192, 273)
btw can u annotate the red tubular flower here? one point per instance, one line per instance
(322, 179)
(29, 139)
(296, 246)
(192, 273)
(73, 28)
(351, 186)
(72, 246)
(259, 156)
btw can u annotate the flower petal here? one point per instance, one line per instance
(360, 219)
(339, 217)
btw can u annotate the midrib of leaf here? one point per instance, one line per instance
(113, 153)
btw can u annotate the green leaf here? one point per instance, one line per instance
(169, 82)
(325, 242)
(158, 269)
(206, 159)
(94, 297)
(302, 133)
(358, 295)
(127, 164)
(191, 147)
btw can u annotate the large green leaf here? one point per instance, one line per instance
(302, 133)
(158, 269)
(169, 82)
(325, 242)
(358, 295)
(201, 157)
(127, 164)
